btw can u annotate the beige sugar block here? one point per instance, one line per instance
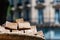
(14, 30)
(17, 31)
(20, 20)
(24, 25)
(2, 29)
(40, 33)
(7, 31)
(6, 23)
(33, 30)
(11, 25)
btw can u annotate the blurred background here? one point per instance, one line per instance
(45, 14)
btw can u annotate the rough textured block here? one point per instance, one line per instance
(24, 25)
(33, 30)
(2, 29)
(17, 31)
(6, 31)
(20, 20)
(40, 33)
(11, 25)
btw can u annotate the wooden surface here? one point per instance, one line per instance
(18, 37)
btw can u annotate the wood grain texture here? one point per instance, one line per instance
(18, 37)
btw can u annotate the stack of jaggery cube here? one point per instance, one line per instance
(21, 27)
